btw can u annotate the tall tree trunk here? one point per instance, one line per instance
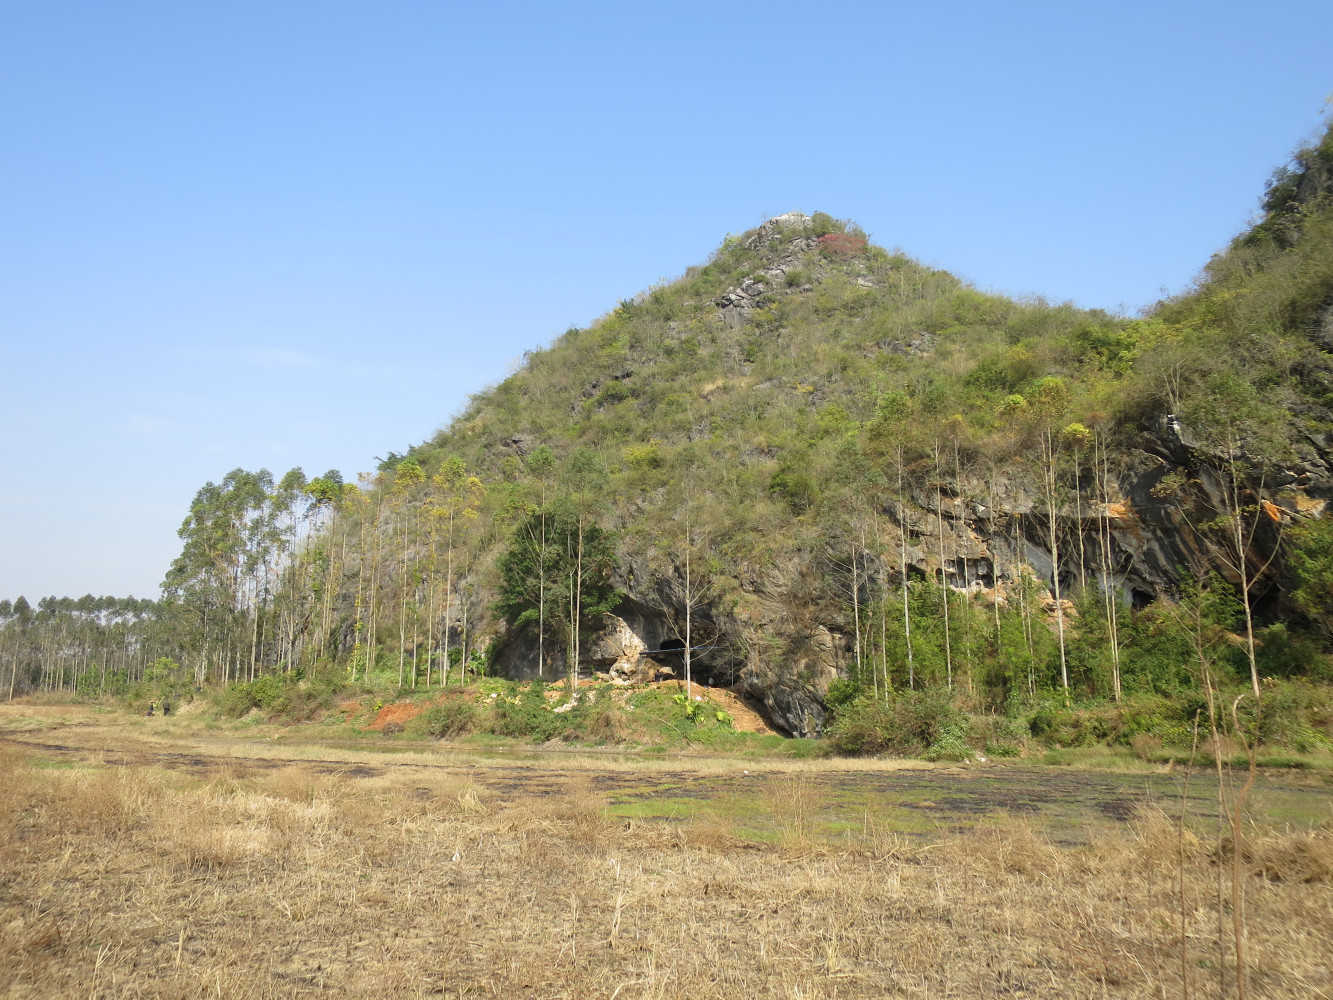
(902, 548)
(944, 576)
(430, 608)
(358, 628)
(416, 619)
(14, 661)
(403, 604)
(375, 568)
(448, 598)
(967, 573)
(541, 598)
(1078, 516)
(1237, 518)
(689, 610)
(1102, 469)
(995, 566)
(1049, 441)
(856, 615)
(578, 603)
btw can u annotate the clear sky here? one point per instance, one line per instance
(297, 233)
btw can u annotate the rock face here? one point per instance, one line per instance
(789, 248)
(618, 651)
(772, 643)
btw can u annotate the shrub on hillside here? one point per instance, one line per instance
(908, 723)
(841, 246)
(450, 719)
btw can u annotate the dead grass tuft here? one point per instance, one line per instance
(794, 803)
(1302, 856)
(1160, 840)
(607, 724)
(102, 802)
(1007, 846)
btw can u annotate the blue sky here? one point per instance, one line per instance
(277, 234)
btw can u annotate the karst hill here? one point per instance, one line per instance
(814, 419)
(818, 471)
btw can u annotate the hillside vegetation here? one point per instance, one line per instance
(864, 492)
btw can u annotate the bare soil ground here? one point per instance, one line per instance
(165, 859)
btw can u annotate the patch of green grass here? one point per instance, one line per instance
(671, 809)
(46, 764)
(1102, 758)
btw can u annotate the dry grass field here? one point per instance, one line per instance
(134, 867)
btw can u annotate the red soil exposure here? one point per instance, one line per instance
(394, 713)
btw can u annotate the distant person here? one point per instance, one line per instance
(166, 708)
(150, 709)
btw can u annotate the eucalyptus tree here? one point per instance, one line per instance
(541, 470)
(1077, 437)
(1050, 403)
(1101, 465)
(944, 576)
(894, 415)
(679, 551)
(557, 566)
(454, 496)
(294, 507)
(408, 478)
(211, 582)
(369, 506)
(956, 428)
(20, 619)
(329, 495)
(584, 482)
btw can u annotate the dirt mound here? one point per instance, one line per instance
(746, 716)
(746, 713)
(394, 715)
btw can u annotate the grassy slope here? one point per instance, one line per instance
(796, 387)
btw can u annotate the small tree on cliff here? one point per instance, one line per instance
(1236, 425)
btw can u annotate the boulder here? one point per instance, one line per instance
(617, 650)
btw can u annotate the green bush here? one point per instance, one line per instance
(234, 700)
(449, 719)
(289, 695)
(999, 735)
(269, 693)
(842, 692)
(527, 718)
(950, 744)
(821, 224)
(909, 722)
(796, 486)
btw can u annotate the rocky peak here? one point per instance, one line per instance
(778, 228)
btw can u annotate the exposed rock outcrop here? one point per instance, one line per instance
(773, 644)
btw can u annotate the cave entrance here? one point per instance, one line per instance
(672, 651)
